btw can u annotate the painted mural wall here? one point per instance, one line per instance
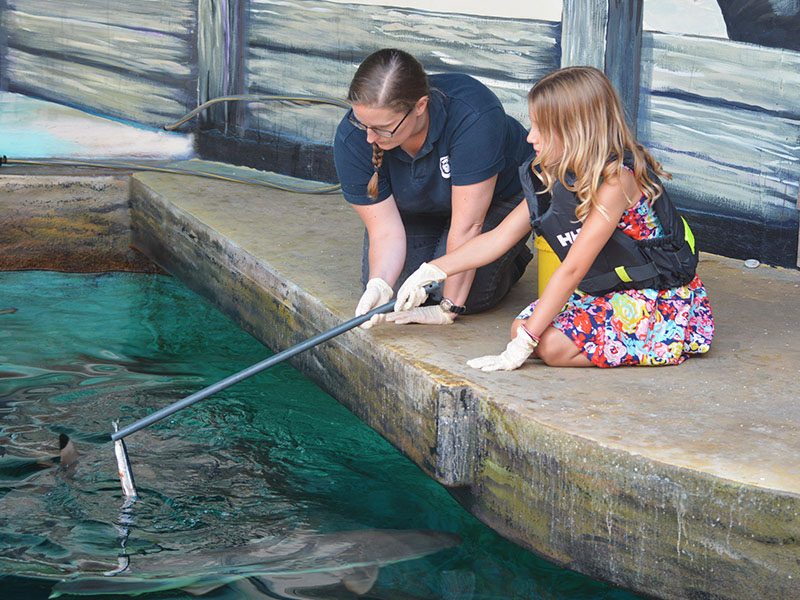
(127, 67)
(720, 110)
(543, 10)
(719, 82)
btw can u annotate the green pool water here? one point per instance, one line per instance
(273, 459)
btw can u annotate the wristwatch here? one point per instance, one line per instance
(447, 305)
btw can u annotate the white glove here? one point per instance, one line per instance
(427, 315)
(412, 293)
(515, 354)
(377, 293)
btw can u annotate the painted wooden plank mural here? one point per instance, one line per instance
(220, 59)
(314, 47)
(723, 117)
(131, 60)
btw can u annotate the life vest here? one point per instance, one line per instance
(624, 263)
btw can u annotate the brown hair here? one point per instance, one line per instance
(392, 79)
(578, 107)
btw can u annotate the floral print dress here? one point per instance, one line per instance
(638, 327)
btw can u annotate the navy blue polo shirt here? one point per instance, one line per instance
(470, 139)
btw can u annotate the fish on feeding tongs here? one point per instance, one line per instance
(124, 466)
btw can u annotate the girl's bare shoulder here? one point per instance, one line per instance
(622, 183)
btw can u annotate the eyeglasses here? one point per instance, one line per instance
(384, 133)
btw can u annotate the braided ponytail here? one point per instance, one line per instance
(377, 161)
(388, 78)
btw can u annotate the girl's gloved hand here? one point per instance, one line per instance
(412, 293)
(427, 315)
(377, 293)
(515, 354)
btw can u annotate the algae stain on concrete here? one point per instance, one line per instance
(67, 223)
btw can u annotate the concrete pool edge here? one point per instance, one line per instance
(660, 529)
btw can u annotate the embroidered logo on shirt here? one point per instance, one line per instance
(444, 166)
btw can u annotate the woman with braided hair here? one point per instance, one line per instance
(428, 163)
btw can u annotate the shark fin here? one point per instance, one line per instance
(361, 579)
(69, 455)
(201, 590)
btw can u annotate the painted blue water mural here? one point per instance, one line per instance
(269, 489)
(35, 128)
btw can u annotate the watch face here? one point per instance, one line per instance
(448, 306)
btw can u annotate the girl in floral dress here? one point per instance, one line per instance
(580, 138)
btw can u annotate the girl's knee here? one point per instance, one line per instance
(557, 350)
(549, 353)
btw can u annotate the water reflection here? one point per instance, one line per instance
(192, 530)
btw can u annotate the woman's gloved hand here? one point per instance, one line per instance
(427, 315)
(412, 293)
(377, 293)
(515, 354)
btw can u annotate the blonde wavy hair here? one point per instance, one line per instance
(578, 107)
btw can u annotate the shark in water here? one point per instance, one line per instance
(293, 565)
(291, 568)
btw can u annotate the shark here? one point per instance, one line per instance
(293, 567)
(296, 564)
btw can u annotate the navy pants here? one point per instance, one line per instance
(426, 239)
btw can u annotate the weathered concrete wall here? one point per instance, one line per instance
(67, 223)
(631, 476)
(651, 527)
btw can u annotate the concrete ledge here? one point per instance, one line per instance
(674, 482)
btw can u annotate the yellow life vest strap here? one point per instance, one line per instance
(688, 235)
(623, 274)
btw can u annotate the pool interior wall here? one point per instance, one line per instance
(684, 503)
(68, 222)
